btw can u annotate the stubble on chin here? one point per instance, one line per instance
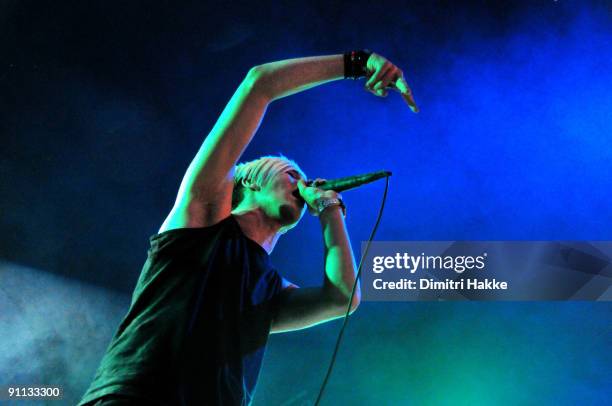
(288, 214)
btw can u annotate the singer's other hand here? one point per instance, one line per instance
(310, 193)
(383, 75)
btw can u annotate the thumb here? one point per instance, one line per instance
(301, 185)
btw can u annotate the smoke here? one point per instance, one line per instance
(54, 330)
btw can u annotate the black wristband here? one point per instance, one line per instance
(355, 63)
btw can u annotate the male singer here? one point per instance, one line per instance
(208, 296)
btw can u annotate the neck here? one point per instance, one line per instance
(258, 227)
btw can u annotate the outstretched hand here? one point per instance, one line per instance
(383, 75)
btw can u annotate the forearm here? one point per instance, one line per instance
(283, 78)
(340, 265)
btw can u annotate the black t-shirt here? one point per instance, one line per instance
(199, 320)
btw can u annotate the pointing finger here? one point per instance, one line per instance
(406, 93)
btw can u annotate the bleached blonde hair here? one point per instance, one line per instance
(259, 172)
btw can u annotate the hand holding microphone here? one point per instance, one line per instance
(318, 199)
(316, 193)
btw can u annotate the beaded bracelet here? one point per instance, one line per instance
(355, 63)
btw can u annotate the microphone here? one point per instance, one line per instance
(349, 182)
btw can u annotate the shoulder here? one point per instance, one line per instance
(200, 210)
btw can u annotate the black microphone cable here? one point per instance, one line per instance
(348, 308)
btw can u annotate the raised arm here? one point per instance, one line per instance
(205, 193)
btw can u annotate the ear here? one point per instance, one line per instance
(254, 187)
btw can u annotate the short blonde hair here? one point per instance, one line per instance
(259, 172)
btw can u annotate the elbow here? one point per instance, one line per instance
(341, 305)
(355, 303)
(256, 80)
